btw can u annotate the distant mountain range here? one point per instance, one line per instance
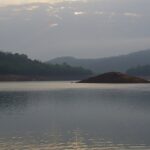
(140, 71)
(117, 63)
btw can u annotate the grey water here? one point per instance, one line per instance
(73, 116)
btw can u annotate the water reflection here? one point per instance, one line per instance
(62, 115)
(56, 142)
(13, 104)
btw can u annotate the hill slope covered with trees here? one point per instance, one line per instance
(20, 65)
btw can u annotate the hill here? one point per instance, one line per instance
(114, 77)
(19, 66)
(118, 63)
(140, 71)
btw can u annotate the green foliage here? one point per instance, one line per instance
(20, 64)
(140, 70)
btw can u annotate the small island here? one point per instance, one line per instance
(114, 77)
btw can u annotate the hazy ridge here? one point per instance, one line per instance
(117, 63)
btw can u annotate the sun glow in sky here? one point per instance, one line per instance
(20, 2)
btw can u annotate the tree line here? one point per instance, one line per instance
(20, 64)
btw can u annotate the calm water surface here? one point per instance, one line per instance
(70, 116)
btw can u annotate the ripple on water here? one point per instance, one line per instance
(76, 143)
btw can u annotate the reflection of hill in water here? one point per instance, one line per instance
(13, 102)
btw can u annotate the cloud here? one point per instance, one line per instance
(112, 13)
(129, 14)
(77, 13)
(56, 29)
(53, 25)
(99, 12)
(4, 3)
(31, 8)
(26, 8)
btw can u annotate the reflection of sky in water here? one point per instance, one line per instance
(55, 141)
(46, 86)
(69, 116)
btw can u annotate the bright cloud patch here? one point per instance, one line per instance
(32, 8)
(22, 2)
(132, 14)
(54, 25)
(79, 13)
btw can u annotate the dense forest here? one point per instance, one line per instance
(20, 64)
(140, 70)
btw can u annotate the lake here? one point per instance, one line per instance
(73, 116)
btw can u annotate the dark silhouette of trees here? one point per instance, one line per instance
(20, 64)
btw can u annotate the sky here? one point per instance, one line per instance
(45, 29)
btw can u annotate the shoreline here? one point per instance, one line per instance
(19, 78)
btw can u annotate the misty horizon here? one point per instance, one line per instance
(74, 74)
(76, 57)
(46, 29)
